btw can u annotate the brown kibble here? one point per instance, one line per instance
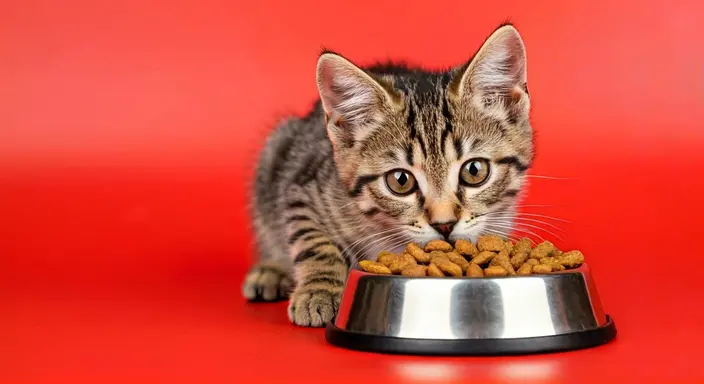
(491, 256)
(458, 259)
(434, 271)
(450, 268)
(415, 270)
(542, 269)
(374, 267)
(520, 253)
(544, 249)
(502, 260)
(509, 246)
(548, 260)
(473, 270)
(483, 257)
(525, 269)
(399, 265)
(522, 245)
(408, 258)
(571, 259)
(438, 257)
(386, 257)
(418, 253)
(491, 243)
(553, 263)
(466, 248)
(494, 271)
(438, 245)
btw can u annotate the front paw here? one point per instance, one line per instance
(313, 308)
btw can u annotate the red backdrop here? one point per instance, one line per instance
(128, 131)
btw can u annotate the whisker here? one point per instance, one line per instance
(536, 227)
(518, 218)
(515, 228)
(391, 232)
(363, 238)
(361, 253)
(550, 177)
(500, 234)
(342, 207)
(538, 206)
(527, 214)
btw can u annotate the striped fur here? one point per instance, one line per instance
(321, 202)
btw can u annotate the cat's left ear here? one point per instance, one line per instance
(353, 101)
(495, 80)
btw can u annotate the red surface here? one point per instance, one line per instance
(128, 131)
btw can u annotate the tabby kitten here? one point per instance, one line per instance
(389, 155)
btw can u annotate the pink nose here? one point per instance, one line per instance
(445, 229)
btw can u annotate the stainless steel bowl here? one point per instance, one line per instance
(471, 316)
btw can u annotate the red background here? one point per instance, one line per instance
(128, 131)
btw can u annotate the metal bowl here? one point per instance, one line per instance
(471, 316)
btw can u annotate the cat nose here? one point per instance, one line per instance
(445, 229)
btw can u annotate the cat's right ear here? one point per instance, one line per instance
(353, 101)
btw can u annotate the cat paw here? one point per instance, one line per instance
(267, 281)
(313, 308)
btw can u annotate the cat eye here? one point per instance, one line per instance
(400, 182)
(475, 172)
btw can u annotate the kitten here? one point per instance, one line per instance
(389, 155)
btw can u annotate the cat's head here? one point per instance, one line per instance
(433, 154)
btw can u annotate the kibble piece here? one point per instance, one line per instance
(374, 267)
(415, 270)
(483, 257)
(520, 253)
(438, 257)
(532, 262)
(502, 260)
(434, 271)
(491, 243)
(509, 246)
(458, 259)
(399, 265)
(495, 270)
(418, 253)
(525, 269)
(466, 248)
(542, 269)
(553, 263)
(473, 270)
(408, 258)
(544, 249)
(386, 257)
(449, 268)
(548, 260)
(438, 245)
(571, 259)
(522, 245)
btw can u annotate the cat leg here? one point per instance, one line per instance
(268, 280)
(320, 271)
(271, 278)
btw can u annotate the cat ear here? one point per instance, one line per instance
(353, 101)
(496, 76)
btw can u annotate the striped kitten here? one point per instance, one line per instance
(389, 155)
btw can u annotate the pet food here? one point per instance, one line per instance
(491, 256)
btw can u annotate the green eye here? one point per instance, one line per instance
(475, 172)
(400, 182)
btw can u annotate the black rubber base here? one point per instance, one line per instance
(475, 347)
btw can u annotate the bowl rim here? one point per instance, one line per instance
(582, 269)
